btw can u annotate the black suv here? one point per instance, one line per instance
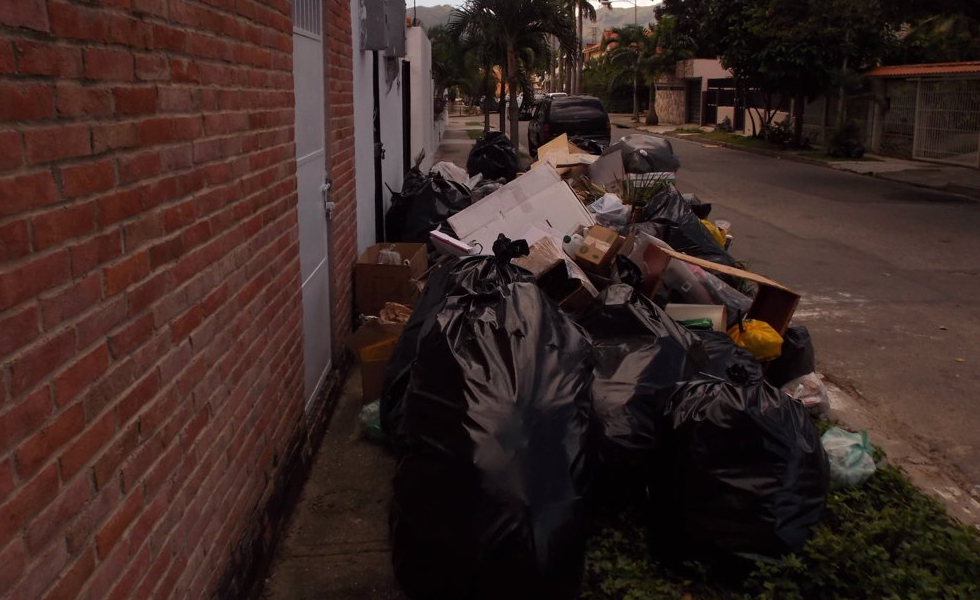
(581, 117)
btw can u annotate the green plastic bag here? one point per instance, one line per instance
(850, 456)
(370, 418)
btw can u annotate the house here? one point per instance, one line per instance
(926, 112)
(181, 203)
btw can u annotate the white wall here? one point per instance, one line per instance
(425, 134)
(391, 133)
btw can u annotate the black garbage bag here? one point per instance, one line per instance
(668, 217)
(493, 156)
(726, 361)
(424, 204)
(742, 474)
(797, 358)
(588, 145)
(494, 419)
(644, 153)
(638, 351)
(699, 208)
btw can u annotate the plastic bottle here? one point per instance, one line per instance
(571, 243)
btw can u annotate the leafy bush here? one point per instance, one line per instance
(885, 540)
(846, 142)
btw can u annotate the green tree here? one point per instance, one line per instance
(939, 38)
(794, 48)
(692, 21)
(513, 23)
(623, 51)
(664, 47)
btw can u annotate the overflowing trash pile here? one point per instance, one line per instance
(583, 335)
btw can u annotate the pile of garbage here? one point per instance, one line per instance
(583, 336)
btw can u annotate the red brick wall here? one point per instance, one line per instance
(150, 344)
(340, 149)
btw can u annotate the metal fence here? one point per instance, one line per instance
(947, 121)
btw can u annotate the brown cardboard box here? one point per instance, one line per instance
(376, 284)
(773, 303)
(373, 345)
(560, 278)
(597, 251)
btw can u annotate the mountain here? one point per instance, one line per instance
(430, 16)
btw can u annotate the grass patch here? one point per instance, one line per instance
(885, 540)
(474, 133)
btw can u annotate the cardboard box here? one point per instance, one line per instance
(597, 251)
(375, 284)
(373, 344)
(773, 303)
(558, 276)
(538, 198)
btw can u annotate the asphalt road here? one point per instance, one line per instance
(890, 281)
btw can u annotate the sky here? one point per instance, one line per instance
(618, 3)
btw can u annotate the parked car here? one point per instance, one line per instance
(528, 105)
(576, 116)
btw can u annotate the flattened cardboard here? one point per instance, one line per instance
(551, 207)
(774, 303)
(502, 201)
(376, 284)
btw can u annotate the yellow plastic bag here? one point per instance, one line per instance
(716, 233)
(758, 337)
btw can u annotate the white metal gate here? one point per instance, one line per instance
(947, 121)
(312, 189)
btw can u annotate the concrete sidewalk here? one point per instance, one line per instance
(945, 178)
(335, 546)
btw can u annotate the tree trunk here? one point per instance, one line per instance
(561, 75)
(652, 117)
(512, 105)
(500, 103)
(841, 104)
(799, 105)
(484, 105)
(636, 95)
(578, 54)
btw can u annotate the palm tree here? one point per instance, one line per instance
(513, 22)
(624, 49)
(665, 46)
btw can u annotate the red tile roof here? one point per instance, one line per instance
(951, 68)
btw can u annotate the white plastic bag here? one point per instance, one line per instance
(849, 455)
(811, 391)
(610, 211)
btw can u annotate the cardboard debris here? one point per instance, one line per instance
(774, 303)
(597, 251)
(538, 198)
(562, 154)
(373, 344)
(375, 284)
(558, 275)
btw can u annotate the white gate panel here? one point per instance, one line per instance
(310, 178)
(947, 121)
